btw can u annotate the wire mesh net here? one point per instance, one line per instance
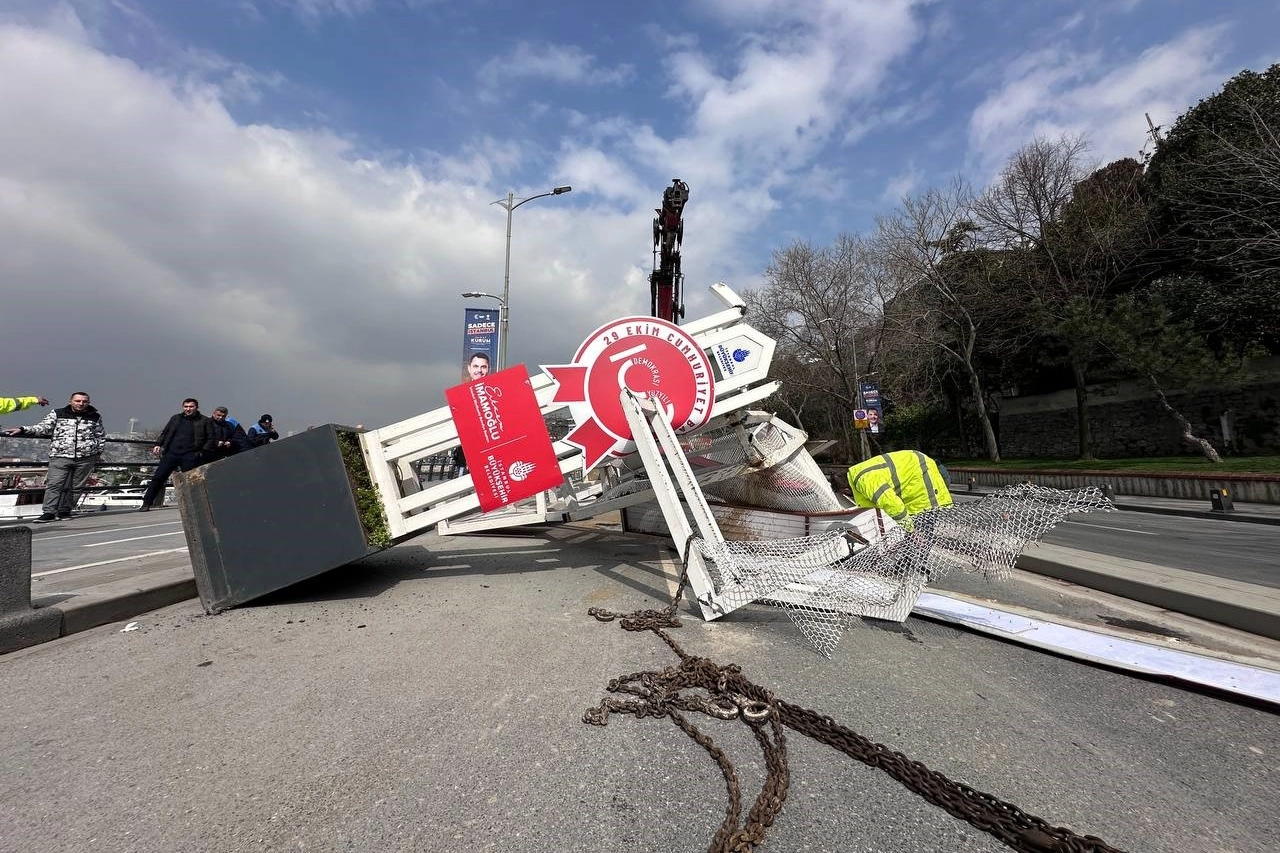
(826, 582)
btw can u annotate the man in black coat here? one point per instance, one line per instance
(231, 437)
(188, 439)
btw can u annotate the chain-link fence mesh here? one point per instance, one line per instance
(826, 582)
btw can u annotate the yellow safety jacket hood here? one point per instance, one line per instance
(902, 484)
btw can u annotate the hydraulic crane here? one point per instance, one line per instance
(666, 282)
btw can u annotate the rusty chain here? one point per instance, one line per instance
(723, 692)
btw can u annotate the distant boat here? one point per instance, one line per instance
(27, 504)
(124, 497)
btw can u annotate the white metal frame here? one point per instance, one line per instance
(390, 452)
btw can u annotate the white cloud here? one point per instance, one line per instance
(1055, 91)
(264, 268)
(557, 63)
(902, 184)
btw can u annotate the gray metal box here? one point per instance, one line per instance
(269, 517)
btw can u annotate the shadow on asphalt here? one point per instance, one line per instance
(377, 573)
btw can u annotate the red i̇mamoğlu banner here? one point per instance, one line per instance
(508, 449)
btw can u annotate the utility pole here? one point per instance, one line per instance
(863, 447)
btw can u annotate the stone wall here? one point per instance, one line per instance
(1125, 419)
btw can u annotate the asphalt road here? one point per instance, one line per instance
(430, 698)
(100, 547)
(1227, 549)
(111, 544)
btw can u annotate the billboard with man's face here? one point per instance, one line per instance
(479, 342)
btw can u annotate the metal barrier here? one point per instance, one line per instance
(126, 463)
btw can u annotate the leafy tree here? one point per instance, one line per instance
(1215, 179)
(1143, 335)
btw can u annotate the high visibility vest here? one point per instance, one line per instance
(16, 404)
(902, 484)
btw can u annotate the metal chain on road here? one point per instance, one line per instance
(726, 694)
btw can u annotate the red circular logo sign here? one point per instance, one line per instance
(650, 357)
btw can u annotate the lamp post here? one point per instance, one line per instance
(510, 203)
(502, 319)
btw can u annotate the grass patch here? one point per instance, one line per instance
(1158, 465)
(373, 520)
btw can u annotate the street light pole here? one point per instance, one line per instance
(857, 384)
(510, 204)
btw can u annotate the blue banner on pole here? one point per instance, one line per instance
(871, 403)
(480, 339)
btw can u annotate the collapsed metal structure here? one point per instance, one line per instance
(792, 540)
(750, 512)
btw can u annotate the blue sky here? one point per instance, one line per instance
(274, 204)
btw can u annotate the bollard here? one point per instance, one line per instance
(20, 624)
(1220, 500)
(1108, 491)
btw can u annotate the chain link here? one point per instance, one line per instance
(723, 692)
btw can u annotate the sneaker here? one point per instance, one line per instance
(46, 518)
(63, 516)
(144, 508)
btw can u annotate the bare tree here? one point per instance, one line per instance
(823, 312)
(1018, 211)
(927, 295)
(1081, 235)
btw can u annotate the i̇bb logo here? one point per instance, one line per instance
(650, 357)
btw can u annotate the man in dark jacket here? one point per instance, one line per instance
(231, 437)
(77, 437)
(188, 440)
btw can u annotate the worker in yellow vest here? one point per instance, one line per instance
(17, 404)
(902, 483)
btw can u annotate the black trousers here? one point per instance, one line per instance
(169, 462)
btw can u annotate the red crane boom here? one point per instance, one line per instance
(666, 282)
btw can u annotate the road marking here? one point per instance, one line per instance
(106, 562)
(1121, 529)
(131, 539)
(113, 530)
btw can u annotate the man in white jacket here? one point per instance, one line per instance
(77, 437)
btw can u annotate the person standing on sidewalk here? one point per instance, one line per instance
(77, 437)
(187, 440)
(17, 404)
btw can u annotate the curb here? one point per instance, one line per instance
(1200, 513)
(1246, 607)
(108, 606)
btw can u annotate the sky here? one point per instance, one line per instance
(274, 205)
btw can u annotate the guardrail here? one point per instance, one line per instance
(126, 462)
(1247, 488)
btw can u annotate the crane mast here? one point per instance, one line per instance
(666, 282)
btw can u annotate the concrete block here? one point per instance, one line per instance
(20, 624)
(267, 518)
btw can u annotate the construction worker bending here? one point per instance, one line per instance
(903, 483)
